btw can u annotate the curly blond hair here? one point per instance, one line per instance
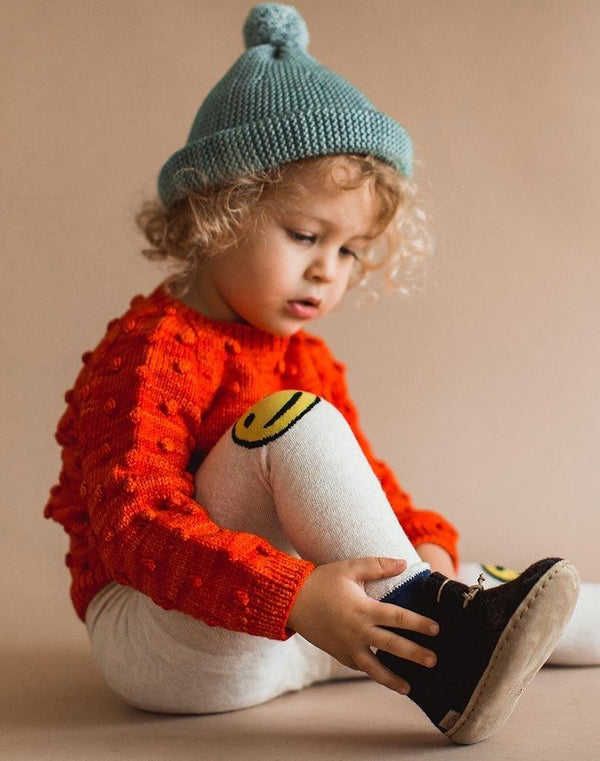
(210, 219)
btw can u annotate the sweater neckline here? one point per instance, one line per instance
(245, 333)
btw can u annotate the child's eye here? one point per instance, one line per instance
(311, 238)
(299, 236)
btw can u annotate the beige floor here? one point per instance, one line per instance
(57, 707)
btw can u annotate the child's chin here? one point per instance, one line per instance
(287, 329)
(286, 332)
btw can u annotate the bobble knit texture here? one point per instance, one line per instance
(277, 104)
(151, 400)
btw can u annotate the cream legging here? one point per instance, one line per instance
(294, 474)
(297, 477)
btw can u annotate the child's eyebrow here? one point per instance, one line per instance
(329, 224)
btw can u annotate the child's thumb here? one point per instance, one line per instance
(374, 568)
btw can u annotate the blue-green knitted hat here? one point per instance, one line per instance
(276, 104)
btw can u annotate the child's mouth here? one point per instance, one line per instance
(303, 309)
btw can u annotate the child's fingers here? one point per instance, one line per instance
(373, 668)
(375, 568)
(401, 647)
(401, 618)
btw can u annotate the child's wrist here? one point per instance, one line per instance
(438, 558)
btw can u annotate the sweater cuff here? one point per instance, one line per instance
(264, 602)
(276, 606)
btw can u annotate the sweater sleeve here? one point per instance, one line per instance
(420, 525)
(141, 406)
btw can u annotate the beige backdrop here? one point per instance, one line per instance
(482, 395)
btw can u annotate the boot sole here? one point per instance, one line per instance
(524, 646)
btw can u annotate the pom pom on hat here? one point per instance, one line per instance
(275, 24)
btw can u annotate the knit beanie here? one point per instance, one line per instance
(277, 104)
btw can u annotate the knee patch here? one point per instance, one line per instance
(272, 416)
(499, 572)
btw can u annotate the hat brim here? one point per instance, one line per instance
(276, 140)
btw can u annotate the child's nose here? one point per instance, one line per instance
(324, 266)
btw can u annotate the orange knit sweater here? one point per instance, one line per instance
(151, 400)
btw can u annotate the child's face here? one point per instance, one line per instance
(269, 275)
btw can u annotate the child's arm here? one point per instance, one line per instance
(423, 527)
(134, 415)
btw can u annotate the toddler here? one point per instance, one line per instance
(232, 535)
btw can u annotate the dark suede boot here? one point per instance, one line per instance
(490, 646)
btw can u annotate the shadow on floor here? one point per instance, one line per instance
(56, 705)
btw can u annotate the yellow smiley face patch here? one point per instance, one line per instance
(500, 572)
(272, 417)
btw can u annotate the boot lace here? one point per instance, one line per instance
(473, 590)
(469, 594)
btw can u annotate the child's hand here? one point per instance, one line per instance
(333, 612)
